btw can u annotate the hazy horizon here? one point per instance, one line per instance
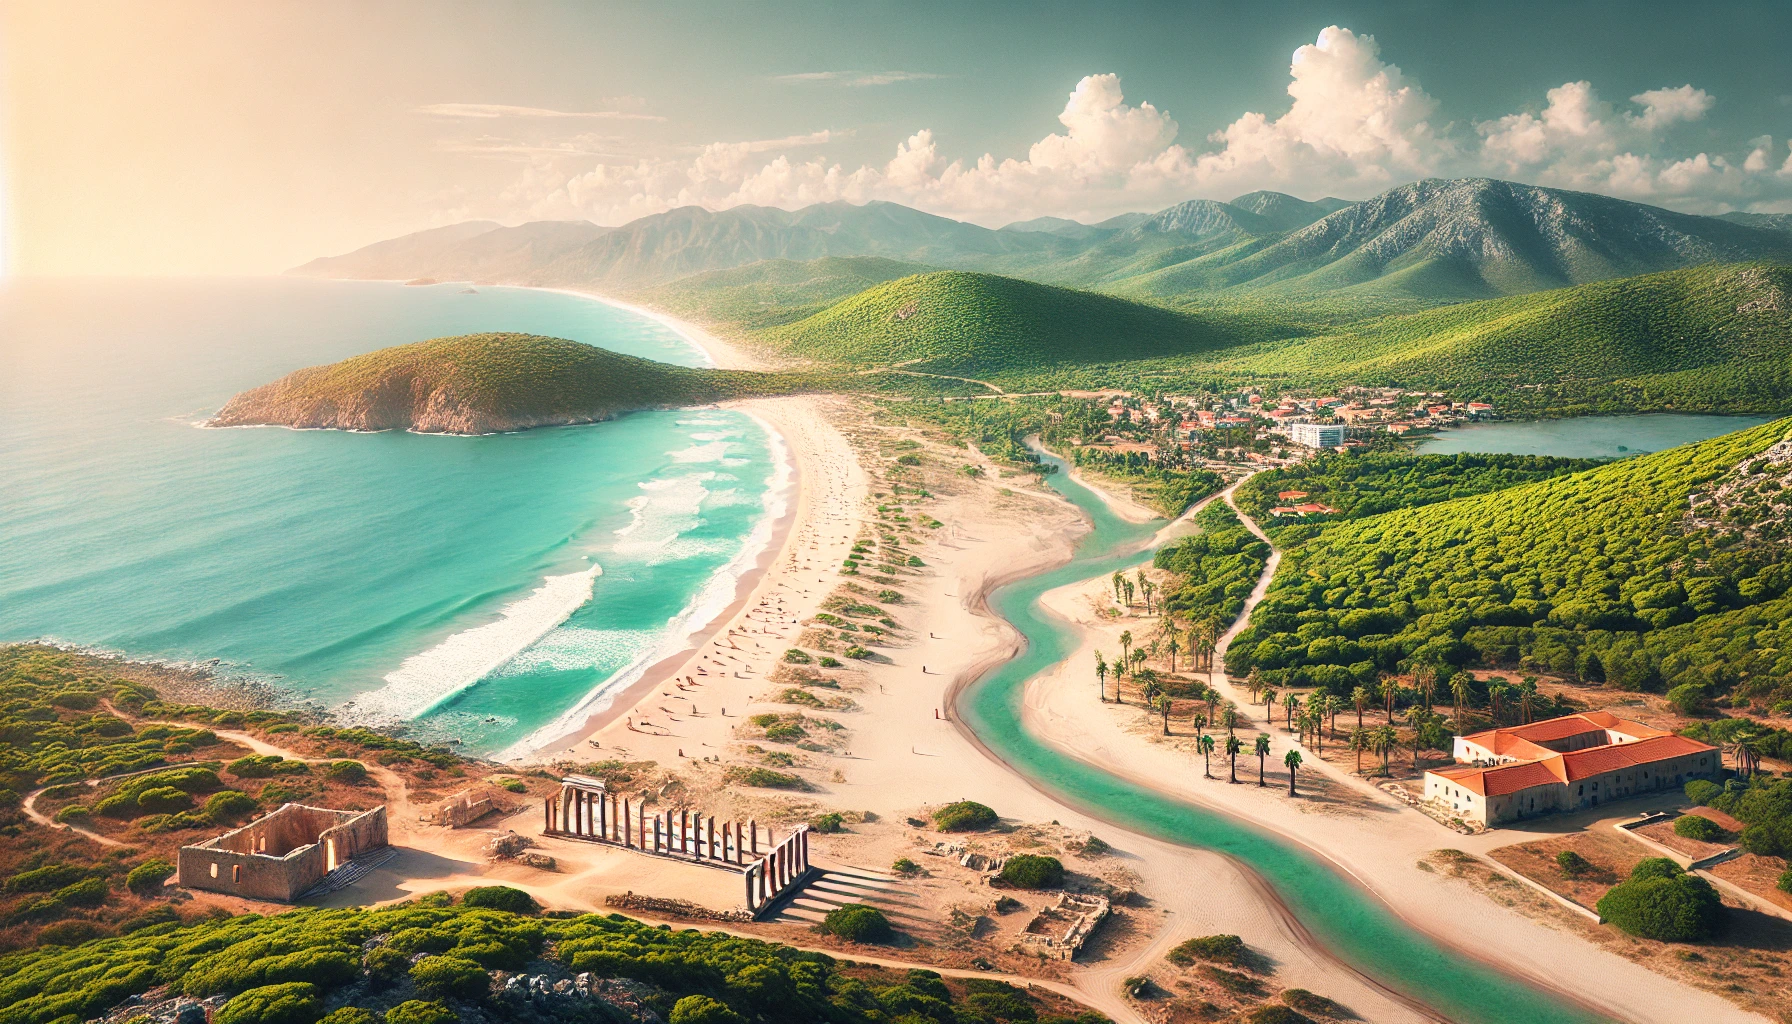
(199, 137)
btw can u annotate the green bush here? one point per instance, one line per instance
(88, 892)
(69, 933)
(48, 878)
(1032, 871)
(1573, 864)
(857, 922)
(289, 1003)
(1695, 826)
(797, 657)
(1270, 1013)
(416, 1011)
(963, 816)
(1219, 949)
(73, 812)
(1702, 791)
(514, 785)
(148, 876)
(701, 1009)
(1313, 1003)
(385, 965)
(1785, 882)
(1660, 901)
(227, 805)
(264, 766)
(500, 897)
(163, 800)
(349, 773)
(446, 977)
(828, 823)
(855, 651)
(827, 662)
(765, 778)
(904, 866)
(347, 1015)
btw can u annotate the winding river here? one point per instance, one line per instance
(1340, 914)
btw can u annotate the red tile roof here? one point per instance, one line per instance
(1580, 764)
(1501, 780)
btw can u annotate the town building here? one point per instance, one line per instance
(1563, 764)
(282, 855)
(1317, 435)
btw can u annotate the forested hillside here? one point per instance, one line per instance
(774, 292)
(1598, 575)
(1372, 483)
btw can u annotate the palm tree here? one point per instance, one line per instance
(1254, 682)
(1173, 649)
(1390, 689)
(1233, 746)
(1317, 717)
(1745, 749)
(1359, 742)
(1386, 739)
(1292, 760)
(1527, 703)
(1206, 744)
(1459, 690)
(1145, 588)
(1213, 700)
(1125, 648)
(1496, 692)
(1127, 584)
(1424, 678)
(1101, 675)
(1290, 704)
(1262, 752)
(1162, 704)
(1138, 660)
(1119, 577)
(1360, 697)
(1269, 704)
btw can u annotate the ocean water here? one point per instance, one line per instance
(482, 589)
(1588, 437)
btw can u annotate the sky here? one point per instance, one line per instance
(206, 137)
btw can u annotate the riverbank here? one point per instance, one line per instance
(1386, 847)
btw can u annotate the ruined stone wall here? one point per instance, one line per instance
(284, 854)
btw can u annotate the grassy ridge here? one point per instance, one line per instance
(962, 323)
(771, 293)
(1596, 575)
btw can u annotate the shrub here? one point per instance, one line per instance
(48, 878)
(963, 816)
(1219, 949)
(700, 1009)
(228, 805)
(69, 933)
(908, 460)
(785, 732)
(1689, 698)
(88, 892)
(904, 866)
(1694, 826)
(1032, 871)
(797, 657)
(1270, 1013)
(1785, 882)
(416, 1011)
(1309, 1002)
(501, 897)
(1660, 901)
(827, 662)
(513, 785)
(349, 773)
(855, 651)
(1094, 846)
(828, 823)
(347, 1015)
(1702, 791)
(444, 977)
(163, 800)
(73, 812)
(1573, 864)
(856, 922)
(765, 778)
(148, 876)
(293, 1002)
(264, 766)
(385, 964)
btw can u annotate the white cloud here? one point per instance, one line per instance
(1354, 125)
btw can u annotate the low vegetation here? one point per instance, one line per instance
(1214, 571)
(1032, 871)
(1359, 485)
(964, 816)
(1661, 901)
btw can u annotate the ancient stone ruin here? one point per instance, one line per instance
(283, 855)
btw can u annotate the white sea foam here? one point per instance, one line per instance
(666, 508)
(714, 451)
(703, 608)
(425, 680)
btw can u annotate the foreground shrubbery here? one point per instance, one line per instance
(963, 816)
(1762, 804)
(857, 922)
(1031, 871)
(1661, 901)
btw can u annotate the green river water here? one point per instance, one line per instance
(1349, 921)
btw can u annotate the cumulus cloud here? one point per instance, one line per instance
(1354, 125)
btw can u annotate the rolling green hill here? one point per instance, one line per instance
(1706, 338)
(1601, 575)
(485, 383)
(979, 324)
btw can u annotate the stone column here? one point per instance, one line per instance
(684, 831)
(753, 830)
(625, 836)
(709, 846)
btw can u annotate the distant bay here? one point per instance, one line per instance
(1587, 437)
(477, 588)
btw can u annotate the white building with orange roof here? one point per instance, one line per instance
(1563, 764)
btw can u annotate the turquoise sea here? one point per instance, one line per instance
(485, 589)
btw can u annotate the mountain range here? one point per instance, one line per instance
(1433, 241)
